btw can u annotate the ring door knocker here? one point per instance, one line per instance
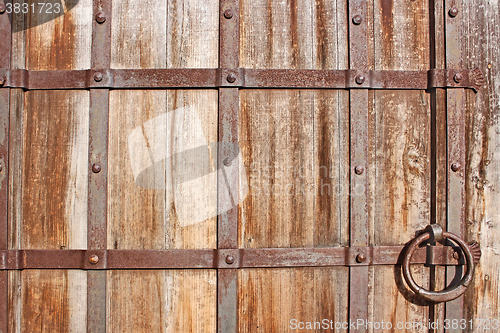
(472, 254)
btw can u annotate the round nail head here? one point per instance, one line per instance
(100, 17)
(94, 259)
(360, 79)
(453, 12)
(228, 13)
(231, 78)
(456, 255)
(2, 80)
(227, 162)
(357, 19)
(360, 258)
(2, 8)
(98, 77)
(229, 259)
(458, 77)
(96, 168)
(455, 167)
(359, 170)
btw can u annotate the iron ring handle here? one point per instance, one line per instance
(447, 294)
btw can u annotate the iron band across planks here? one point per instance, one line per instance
(241, 77)
(224, 258)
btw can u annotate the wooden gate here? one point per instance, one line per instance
(249, 166)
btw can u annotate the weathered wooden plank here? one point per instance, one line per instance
(162, 301)
(49, 164)
(400, 155)
(148, 209)
(155, 217)
(171, 34)
(294, 34)
(49, 202)
(295, 146)
(481, 49)
(275, 300)
(295, 175)
(61, 43)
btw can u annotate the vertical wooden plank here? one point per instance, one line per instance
(5, 55)
(145, 209)
(294, 34)
(400, 157)
(481, 36)
(279, 300)
(294, 143)
(49, 184)
(162, 301)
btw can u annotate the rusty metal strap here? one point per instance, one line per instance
(223, 258)
(240, 77)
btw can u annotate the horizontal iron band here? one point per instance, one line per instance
(223, 258)
(241, 77)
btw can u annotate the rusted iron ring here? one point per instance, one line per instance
(447, 294)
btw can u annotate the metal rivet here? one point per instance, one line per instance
(453, 12)
(458, 77)
(228, 13)
(98, 77)
(1, 167)
(2, 80)
(359, 170)
(100, 17)
(96, 168)
(357, 19)
(456, 255)
(360, 79)
(227, 162)
(486, 277)
(2, 8)
(231, 78)
(94, 259)
(360, 258)
(229, 259)
(455, 167)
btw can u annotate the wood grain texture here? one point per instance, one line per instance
(166, 34)
(61, 43)
(400, 155)
(293, 142)
(49, 179)
(482, 33)
(270, 298)
(294, 34)
(48, 301)
(162, 301)
(147, 218)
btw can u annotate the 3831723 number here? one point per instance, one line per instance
(34, 8)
